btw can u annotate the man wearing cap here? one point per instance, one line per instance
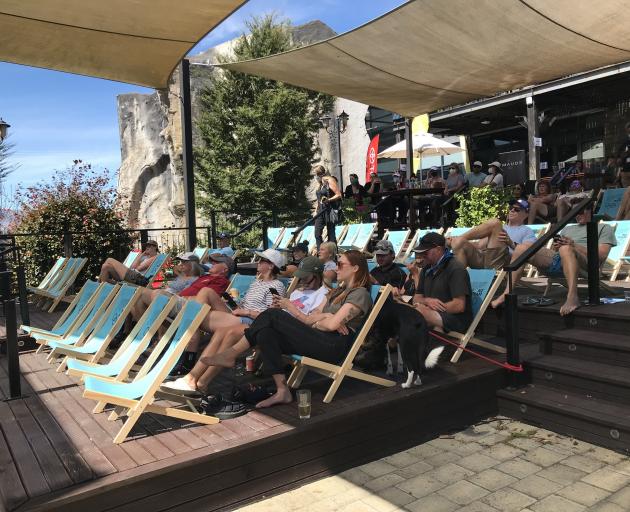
(476, 177)
(113, 271)
(444, 293)
(494, 241)
(298, 252)
(495, 176)
(186, 270)
(387, 272)
(223, 241)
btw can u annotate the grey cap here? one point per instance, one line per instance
(222, 258)
(384, 247)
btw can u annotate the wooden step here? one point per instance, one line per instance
(573, 414)
(592, 345)
(599, 380)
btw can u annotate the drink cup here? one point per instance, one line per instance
(250, 363)
(235, 293)
(304, 403)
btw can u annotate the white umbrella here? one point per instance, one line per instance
(424, 144)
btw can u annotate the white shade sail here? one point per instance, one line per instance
(134, 41)
(424, 144)
(430, 54)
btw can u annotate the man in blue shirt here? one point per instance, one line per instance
(476, 177)
(223, 240)
(491, 244)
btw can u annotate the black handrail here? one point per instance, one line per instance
(311, 220)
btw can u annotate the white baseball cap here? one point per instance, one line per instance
(272, 255)
(477, 163)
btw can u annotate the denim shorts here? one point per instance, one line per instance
(555, 267)
(245, 320)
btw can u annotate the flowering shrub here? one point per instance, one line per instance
(81, 200)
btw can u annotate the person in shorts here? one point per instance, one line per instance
(113, 271)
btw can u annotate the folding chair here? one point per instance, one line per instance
(338, 372)
(131, 257)
(67, 276)
(273, 237)
(362, 239)
(484, 284)
(201, 252)
(287, 239)
(241, 283)
(610, 202)
(453, 231)
(307, 235)
(50, 276)
(615, 261)
(155, 267)
(137, 397)
(341, 233)
(107, 326)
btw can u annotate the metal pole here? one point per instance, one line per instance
(339, 164)
(511, 329)
(23, 294)
(187, 154)
(213, 228)
(592, 256)
(408, 139)
(265, 240)
(13, 356)
(533, 132)
(67, 244)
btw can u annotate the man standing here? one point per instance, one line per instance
(223, 241)
(567, 257)
(476, 177)
(387, 272)
(495, 241)
(444, 292)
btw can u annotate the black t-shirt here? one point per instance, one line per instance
(624, 154)
(450, 280)
(358, 197)
(393, 275)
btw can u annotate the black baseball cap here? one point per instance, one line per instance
(309, 266)
(429, 241)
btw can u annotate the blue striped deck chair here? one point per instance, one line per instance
(615, 260)
(362, 238)
(337, 372)
(137, 397)
(273, 239)
(153, 270)
(50, 276)
(484, 284)
(92, 312)
(107, 326)
(131, 257)
(341, 233)
(307, 235)
(610, 202)
(67, 277)
(287, 238)
(398, 240)
(457, 231)
(241, 283)
(71, 315)
(201, 252)
(352, 230)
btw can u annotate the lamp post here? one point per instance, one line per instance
(4, 129)
(336, 124)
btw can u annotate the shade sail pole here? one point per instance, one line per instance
(408, 136)
(187, 155)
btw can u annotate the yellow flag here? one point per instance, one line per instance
(419, 124)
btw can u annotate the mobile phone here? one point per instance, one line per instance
(273, 291)
(230, 300)
(557, 238)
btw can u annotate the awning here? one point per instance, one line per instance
(135, 41)
(430, 54)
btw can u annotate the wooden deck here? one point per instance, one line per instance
(56, 455)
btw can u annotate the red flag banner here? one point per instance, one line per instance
(371, 162)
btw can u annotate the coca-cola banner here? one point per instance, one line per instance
(371, 161)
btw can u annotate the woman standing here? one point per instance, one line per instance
(495, 176)
(328, 205)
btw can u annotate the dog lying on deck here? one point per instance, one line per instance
(415, 346)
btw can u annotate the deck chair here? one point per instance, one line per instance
(71, 315)
(287, 239)
(290, 284)
(107, 326)
(615, 261)
(408, 256)
(63, 282)
(341, 233)
(201, 252)
(307, 235)
(50, 276)
(241, 283)
(153, 270)
(398, 240)
(484, 284)
(273, 237)
(84, 325)
(137, 397)
(539, 230)
(361, 240)
(610, 202)
(131, 257)
(456, 231)
(338, 372)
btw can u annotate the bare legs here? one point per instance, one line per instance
(210, 297)
(463, 247)
(282, 394)
(537, 209)
(112, 271)
(214, 321)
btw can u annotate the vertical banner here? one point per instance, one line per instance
(371, 161)
(420, 124)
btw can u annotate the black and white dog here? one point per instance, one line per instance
(416, 348)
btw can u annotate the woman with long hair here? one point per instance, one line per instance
(326, 334)
(328, 205)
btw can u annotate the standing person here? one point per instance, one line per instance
(223, 241)
(543, 203)
(357, 192)
(113, 271)
(328, 204)
(495, 176)
(476, 177)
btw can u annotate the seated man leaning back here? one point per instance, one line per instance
(567, 257)
(113, 271)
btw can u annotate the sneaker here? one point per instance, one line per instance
(179, 387)
(217, 406)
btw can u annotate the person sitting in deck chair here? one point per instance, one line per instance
(624, 208)
(298, 253)
(113, 271)
(309, 295)
(326, 334)
(567, 257)
(495, 241)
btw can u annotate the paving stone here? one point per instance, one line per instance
(508, 500)
(621, 497)
(607, 456)
(396, 496)
(424, 451)
(492, 439)
(607, 479)
(544, 457)
(356, 476)
(477, 506)
(377, 468)
(518, 467)
(537, 487)
(447, 443)
(562, 474)
(607, 506)
(503, 452)
(477, 462)
(555, 503)
(402, 459)
(442, 458)
(432, 503)
(383, 482)
(524, 443)
(583, 463)
(450, 473)
(379, 503)
(421, 486)
(585, 494)
(623, 467)
(330, 486)
(574, 446)
(414, 470)
(492, 479)
(293, 499)
(357, 506)
(463, 492)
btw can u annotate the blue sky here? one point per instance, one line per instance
(57, 117)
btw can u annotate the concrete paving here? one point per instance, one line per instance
(497, 465)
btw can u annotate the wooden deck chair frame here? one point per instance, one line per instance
(402, 246)
(63, 286)
(161, 258)
(48, 279)
(338, 372)
(368, 237)
(135, 408)
(342, 234)
(615, 266)
(468, 336)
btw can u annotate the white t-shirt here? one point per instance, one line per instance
(330, 265)
(308, 300)
(494, 180)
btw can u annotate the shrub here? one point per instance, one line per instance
(477, 205)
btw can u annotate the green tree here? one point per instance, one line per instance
(78, 199)
(257, 135)
(6, 168)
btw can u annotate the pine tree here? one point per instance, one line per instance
(258, 135)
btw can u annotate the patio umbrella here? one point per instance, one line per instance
(424, 144)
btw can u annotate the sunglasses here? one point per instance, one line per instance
(515, 209)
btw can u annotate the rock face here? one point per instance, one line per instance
(151, 178)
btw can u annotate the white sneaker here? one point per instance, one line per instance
(179, 387)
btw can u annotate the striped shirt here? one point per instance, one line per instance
(258, 296)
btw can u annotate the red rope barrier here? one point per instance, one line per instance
(507, 366)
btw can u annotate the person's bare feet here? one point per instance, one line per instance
(498, 301)
(282, 396)
(569, 306)
(226, 359)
